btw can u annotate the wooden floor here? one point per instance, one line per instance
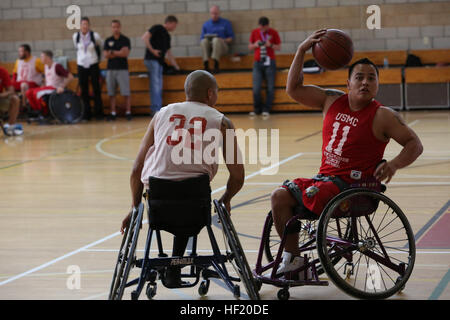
(65, 189)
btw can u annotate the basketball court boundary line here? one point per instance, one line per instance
(67, 255)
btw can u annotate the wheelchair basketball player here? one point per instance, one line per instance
(356, 130)
(154, 156)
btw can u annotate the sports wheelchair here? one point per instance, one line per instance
(64, 108)
(182, 208)
(362, 241)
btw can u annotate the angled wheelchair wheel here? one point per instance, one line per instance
(307, 239)
(236, 253)
(374, 241)
(126, 258)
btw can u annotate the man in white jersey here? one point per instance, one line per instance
(156, 154)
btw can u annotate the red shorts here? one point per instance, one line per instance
(17, 84)
(316, 199)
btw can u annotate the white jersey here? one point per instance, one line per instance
(180, 148)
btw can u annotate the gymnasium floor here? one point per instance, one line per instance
(65, 191)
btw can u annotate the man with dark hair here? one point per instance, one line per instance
(116, 50)
(265, 41)
(56, 79)
(356, 131)
(88, 44)
(9, 103)
(216, 38)
(27, 72)
(157, 41)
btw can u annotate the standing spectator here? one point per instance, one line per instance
(157, 41)
(217, 35)
(264, 40)
(116, 50)
(27, 72)
(56, 79)
(88, 45)
(9, 102)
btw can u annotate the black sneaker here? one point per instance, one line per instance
(111, 117)
(128, 116)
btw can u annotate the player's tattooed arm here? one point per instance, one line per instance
(334, 92)
(399, 118)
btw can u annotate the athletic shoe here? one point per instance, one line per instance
(289, 263)
(18, 129)
(252, 114)
(265, 114)
(111, 117)
(128, 116)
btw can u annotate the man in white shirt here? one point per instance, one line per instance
(155, 157)
(88, 45)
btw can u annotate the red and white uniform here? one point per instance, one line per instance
(29, 71)
(350, 151)
(54, 78)
(181, 142)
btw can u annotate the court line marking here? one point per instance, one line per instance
(99, 144)
(42, 266)
(440, 287)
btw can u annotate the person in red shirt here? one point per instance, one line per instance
(265, 41)
(356, 130)
(9, 102)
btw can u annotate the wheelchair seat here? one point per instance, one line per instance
(182, 208)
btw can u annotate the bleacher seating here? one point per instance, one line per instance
(235, 80)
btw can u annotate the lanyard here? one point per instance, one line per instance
(264, 38)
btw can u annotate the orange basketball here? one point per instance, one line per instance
(334, 51)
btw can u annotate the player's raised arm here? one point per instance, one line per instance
(309, 95)
(389, 124)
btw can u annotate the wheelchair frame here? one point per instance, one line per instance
(331, 249)
(154, 268)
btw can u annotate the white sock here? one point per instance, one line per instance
(113, 113)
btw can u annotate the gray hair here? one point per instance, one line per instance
(197, 84)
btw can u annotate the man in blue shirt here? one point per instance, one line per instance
(217, 35)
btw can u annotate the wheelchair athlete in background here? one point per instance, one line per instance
(356, 130)
(56, 79)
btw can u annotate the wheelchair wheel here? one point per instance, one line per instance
(126, 257)
(377, 248)
(237, 255)
(307, 238)
(66, 107)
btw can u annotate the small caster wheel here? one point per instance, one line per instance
(258, 285)
(203, 288)
(151, 291)
(283, 294)
(237, 292)
(134, 295)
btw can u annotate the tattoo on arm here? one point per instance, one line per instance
(333, 92)
(399, 119)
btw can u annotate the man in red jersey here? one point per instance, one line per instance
(356, 130)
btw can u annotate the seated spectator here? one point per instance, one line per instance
(217, 35)
(116, 49)
(56, 78)
(27, 72)
(9, 103)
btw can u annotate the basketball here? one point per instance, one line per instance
(334, 51)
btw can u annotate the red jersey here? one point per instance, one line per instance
(350, 150)
(271, 35)
(5, 80)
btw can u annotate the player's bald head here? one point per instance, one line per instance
(197, 85)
